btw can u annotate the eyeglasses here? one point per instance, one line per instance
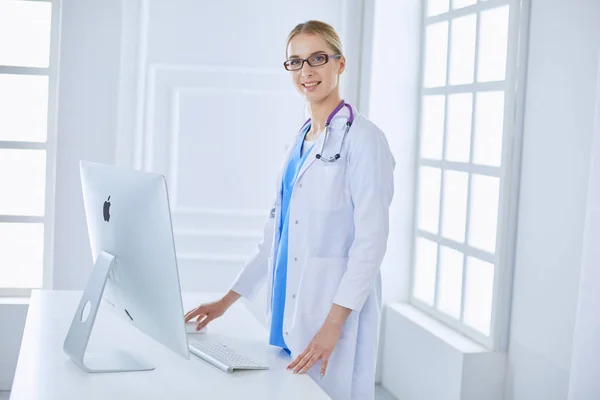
(315, 60)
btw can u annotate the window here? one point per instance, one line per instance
(465, 161)
(28, 97)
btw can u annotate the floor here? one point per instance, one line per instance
(380, 394)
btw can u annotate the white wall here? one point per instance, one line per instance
(389, 96)
(87, 118)
(184, 100)
(89, 100)
(585, 362)
(393, 106)
(562, 71)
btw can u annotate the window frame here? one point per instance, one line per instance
(52, 71)
(513, 87)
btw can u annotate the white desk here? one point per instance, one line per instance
(44, 371)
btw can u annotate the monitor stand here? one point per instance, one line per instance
(77, 339)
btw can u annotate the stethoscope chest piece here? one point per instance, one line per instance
(349, 122)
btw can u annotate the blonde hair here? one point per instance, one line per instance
(319, 28)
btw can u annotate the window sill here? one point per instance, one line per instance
(425, 359)
(438, 329)
(14, 301)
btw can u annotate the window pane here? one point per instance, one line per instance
(432, 127)
(436, 7)
(23, 182)
(479, 290)
(25, 33)
(436, 51)
(493, 40)
(429, 199)
(462, 3)
(21, 255)
(458, 140)
(484, 212)
(454, 214)
(450, 282)
(462, 50)
(23, 108)
(489, 124)
(425, 262)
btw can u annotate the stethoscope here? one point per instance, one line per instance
(348, 125)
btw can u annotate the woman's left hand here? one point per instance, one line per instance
(320, 348)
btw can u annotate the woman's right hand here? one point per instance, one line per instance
(205, 313)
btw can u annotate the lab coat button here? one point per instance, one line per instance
(296, 222)
(299, 185)
(286, 333)
(293, 296)
(295, 258)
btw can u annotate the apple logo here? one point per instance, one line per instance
(106, 209)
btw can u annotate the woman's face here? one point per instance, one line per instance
(314, 83)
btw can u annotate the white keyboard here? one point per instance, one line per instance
(222, 356)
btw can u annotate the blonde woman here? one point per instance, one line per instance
(327, 233)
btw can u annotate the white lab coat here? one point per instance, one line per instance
(338, 230)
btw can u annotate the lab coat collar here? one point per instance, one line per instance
(336, 131)
(338, 125)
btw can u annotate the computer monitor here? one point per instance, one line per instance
(135, 265)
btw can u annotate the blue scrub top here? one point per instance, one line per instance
(280, 270)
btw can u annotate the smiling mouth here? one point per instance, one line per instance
(310, 85)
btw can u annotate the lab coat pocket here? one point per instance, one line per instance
(327, 188)
(320, 284)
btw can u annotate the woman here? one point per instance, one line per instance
(327, 233)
